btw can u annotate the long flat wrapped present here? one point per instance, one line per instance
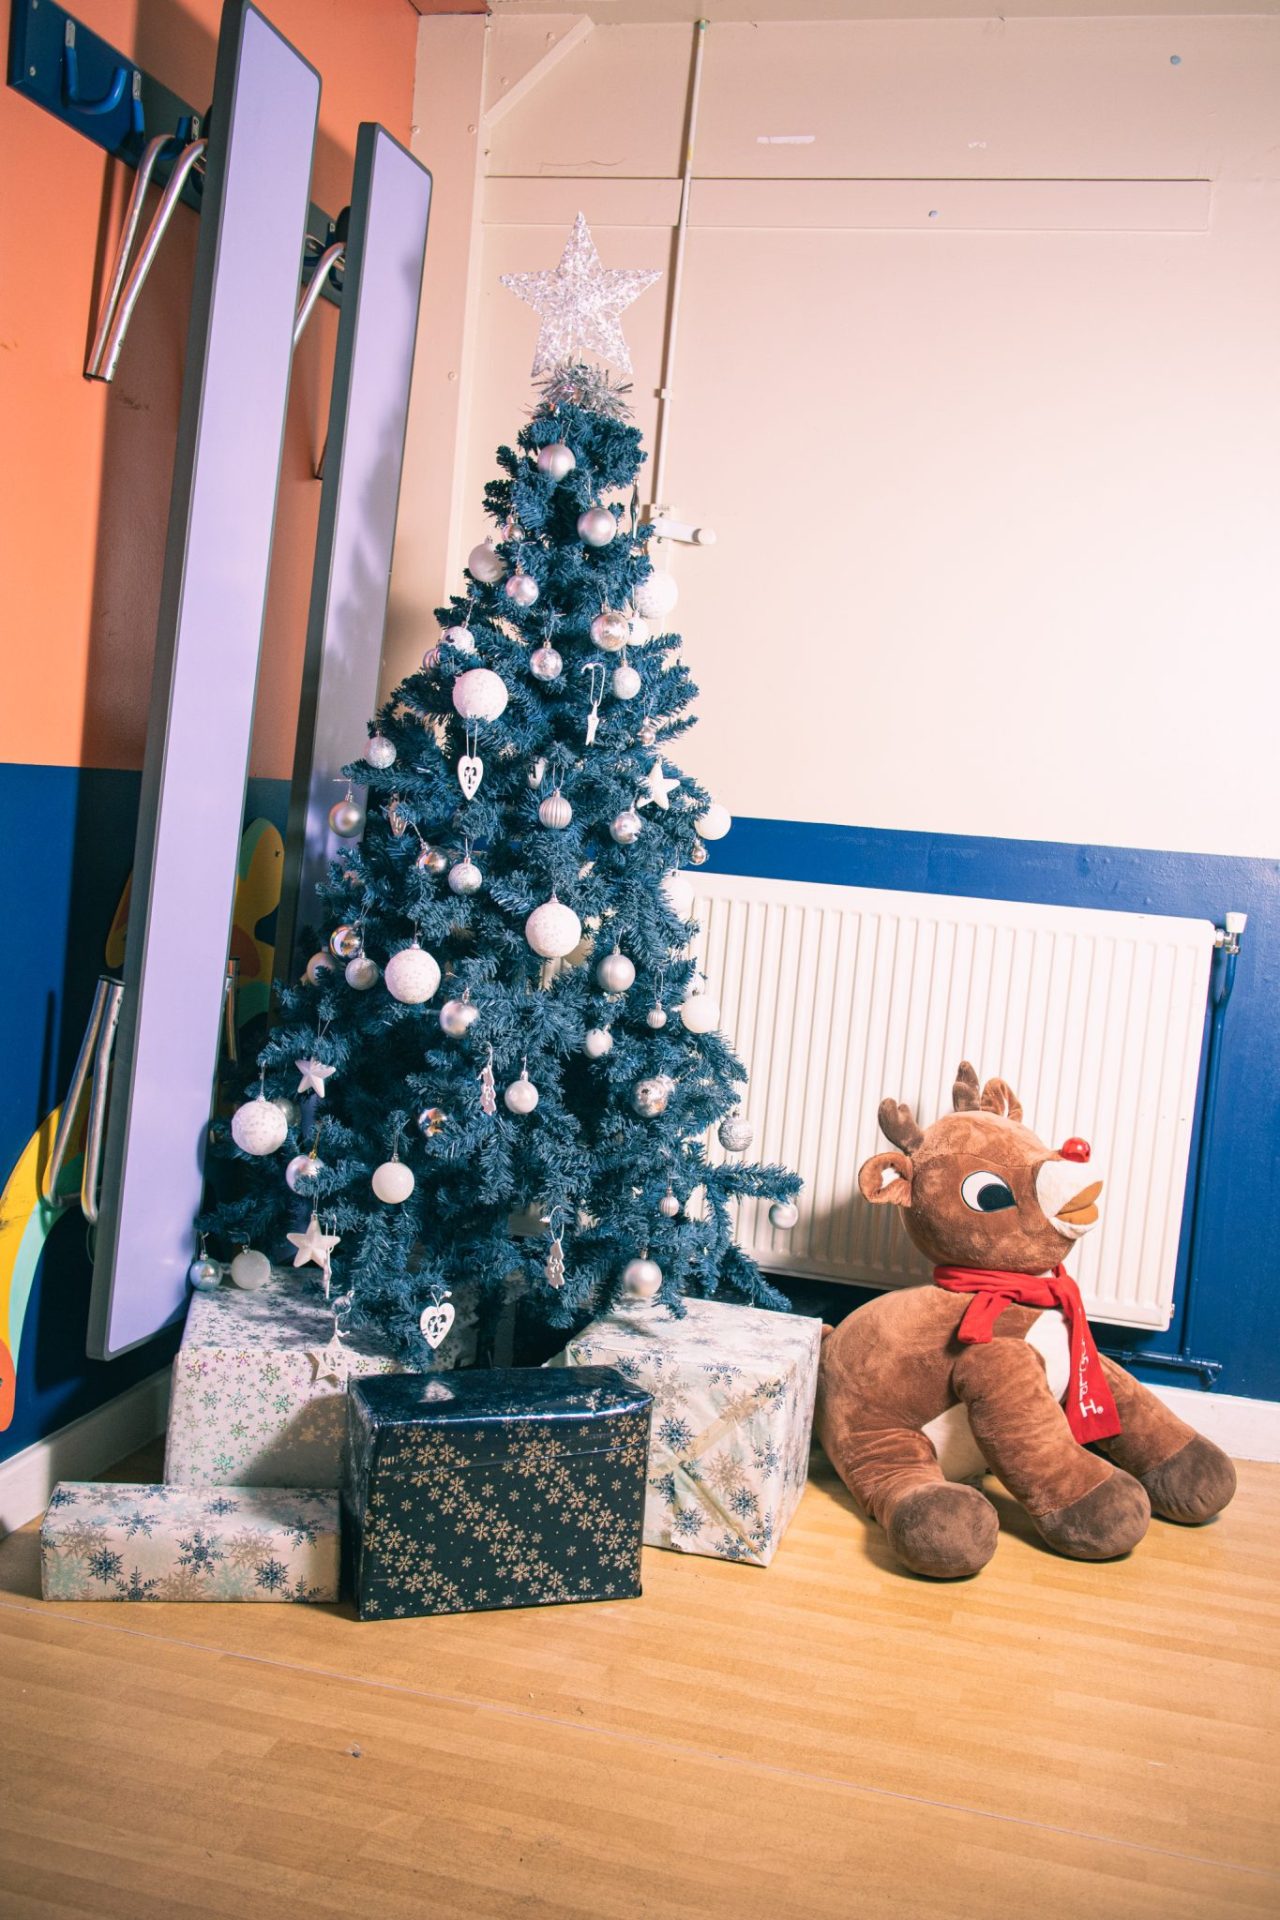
(116, 1541)
(733, 1391)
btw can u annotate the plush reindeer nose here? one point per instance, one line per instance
(1075, 1149)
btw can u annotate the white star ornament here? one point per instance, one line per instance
(659, 787)
(314, 1074)
(313, 1246)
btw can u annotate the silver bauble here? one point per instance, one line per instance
(626, 827)
(557, 460)
(555, 811)
(669, 1206)
(521, 1096)
(596, 1042)
(615, 972)
(346, 817)
(317, 966)
(485, 563)
(698, 855)
(393, 1182)
(412, 976)
(433, 859)
(258, 1127)
(289, 1108)
(204, 1274)
(545, 663)
(648, 733)
(597, 526)
(523, 589)
(656, 1018)
(362, 973)
(302, 1168)
(457, 1015)
(460, 637)
(380, 753)
(626, 682)
(650, 1097)
(642, 1279)
(611, 631)
(783, 1214)
(431, 1122)
(553, 930)
(735, 1134)
(250, 1269)
(465, 877)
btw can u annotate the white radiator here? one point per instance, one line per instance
(836, 996)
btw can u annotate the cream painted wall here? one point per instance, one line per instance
(996, 491)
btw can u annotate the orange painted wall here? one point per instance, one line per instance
(86, 469)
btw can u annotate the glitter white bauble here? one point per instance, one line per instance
(557, 460)
(380, 753)
(362, 973)
(655, 596)
(735, 1134)
(626, 827)
(639, 631)
(250, 1269)
(650, 1097)
(616, 973)
(715, 822)
(412, 975)
(625, 683)
(553, 929)
(346, 817)
(642, 1279)
(521, 1096)
(460, 637)
(484, 563)
(393, 1182)
(677, 891)
(465, 877)
(597, 526)
(258, 1126)
(317, 966)
(479, 694)
(668, 1206)
(204, 1274)
(596, 1042)
(301, 1169)
(457, 1015)
(523, 589)
(611, 631)
(545, 664)
(656, 1018)
(700, 1013)
(782, 1214)
(555, 810)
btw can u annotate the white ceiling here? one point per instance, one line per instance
(619, 12)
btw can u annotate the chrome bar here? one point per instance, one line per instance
(133, 213)
(96, 1128)
(315, 287)
(75, 1094)
(146, 254)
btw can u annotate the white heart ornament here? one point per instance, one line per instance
(470, 774)
(435, 1323)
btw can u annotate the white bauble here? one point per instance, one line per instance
(596, 1042)
(553, 929)
(642, 1279)
(715, 822)
(317, 966)
(346, 817)
(545, 663)
(250, 1269)
(555, 810)
(639, 631)
(677, 891)
(460, 637)
(380, 753)
(362, 973)
(258, 1126)
(302, 1168)
(412, 975)
(615, 973)
(557, 460)
(393, 1182)
(611, 631)
(479, 694)
(485, 563)
(655, 596)
(735, 1134)
(783, 1214)
(700, 1013)
(521, 1096)
(626, 682)
(626, 827)
(597, 526)
(457, 1015)
(204, 1274)
(523, 589)
(465, 877)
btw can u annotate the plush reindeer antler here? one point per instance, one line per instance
(964, 1094)
(898, 1123)
(999, 1097)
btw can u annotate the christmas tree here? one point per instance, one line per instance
(506, 1062)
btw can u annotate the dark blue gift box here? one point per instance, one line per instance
(505, 1487)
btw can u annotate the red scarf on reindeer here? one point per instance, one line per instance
(1090, 1409)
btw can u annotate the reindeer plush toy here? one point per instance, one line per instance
(1001, 1337)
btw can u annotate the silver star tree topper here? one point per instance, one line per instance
(580, 303)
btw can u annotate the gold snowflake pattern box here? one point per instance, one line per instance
(733, 1391)
(501, 1487)
(259, 1387)
(125, 1542)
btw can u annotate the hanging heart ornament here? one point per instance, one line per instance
(470, 774)
(436, 1321)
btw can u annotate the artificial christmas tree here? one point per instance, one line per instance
(505, 1060)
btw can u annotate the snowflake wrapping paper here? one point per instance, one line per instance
(733, 1391)
(259, 1397)
(123, 1542)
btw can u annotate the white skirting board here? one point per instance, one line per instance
(1246, 1429)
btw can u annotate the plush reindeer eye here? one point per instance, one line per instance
(986, 1193)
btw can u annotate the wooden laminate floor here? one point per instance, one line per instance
(827, 1737)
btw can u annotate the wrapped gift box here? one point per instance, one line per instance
(733, 1391)
(508, 1487)
(259, 1391)
(123, 1542)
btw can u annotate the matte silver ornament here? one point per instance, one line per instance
(735, 1134)
(557, 459)
(317, 967)
(485, 563)
(783, 1214)
(545, 664)
(250, 1269)
(346, 817)
(522, 588)
(555, 810)
(456, 1016)
(651, 1097)
(597, 1042)
(626, 827)
(289, 1108)
(362, 973)
(641, 1279)
(611, 631)
(656, 1018)
(626, 682)
(669, 1206)
(465, 877)
(345, 941)
(521, 1096)
(597, 526)
(379, 752)
(615, 972)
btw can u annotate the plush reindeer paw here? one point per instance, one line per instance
(945, 1532)
(1107, 1521)
(1193, 1485)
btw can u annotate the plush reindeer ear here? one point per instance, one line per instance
(964, 1094)
(871, 1174)
(999, 1097)
(898, 1123)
